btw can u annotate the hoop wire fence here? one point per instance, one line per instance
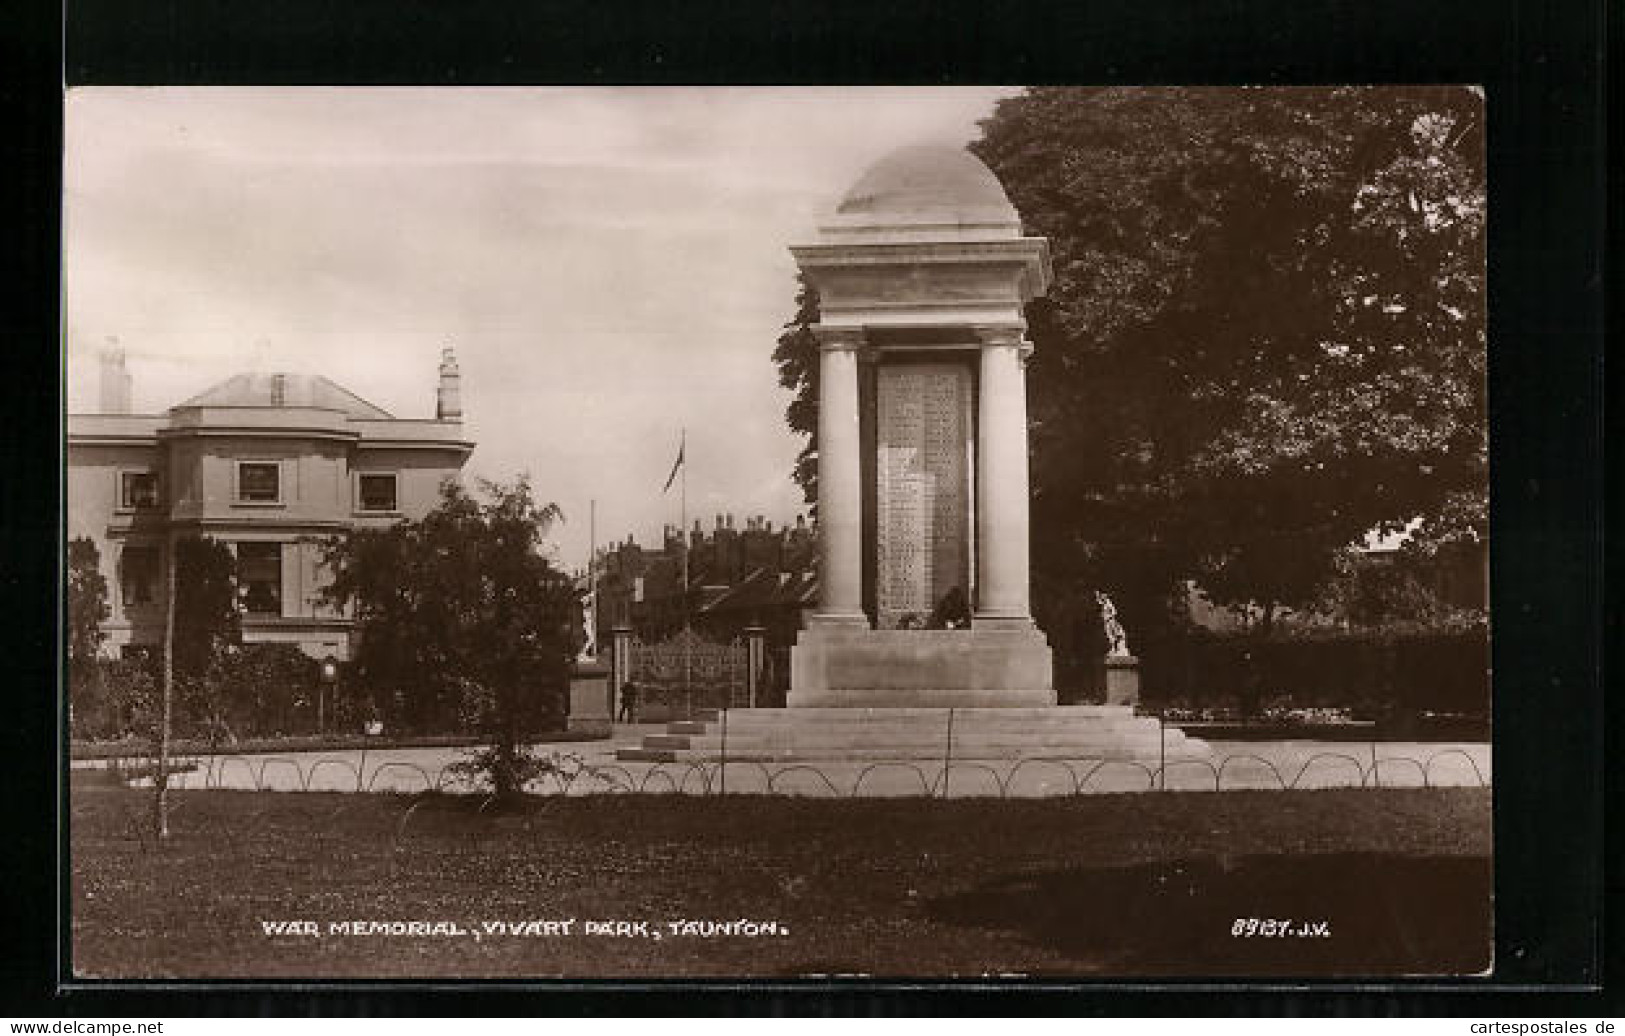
(941, 776)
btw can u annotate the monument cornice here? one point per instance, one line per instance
(1027, 257)
(889, 253)
(1000, 334)
(840, 337)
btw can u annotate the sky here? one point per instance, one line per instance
(610, 264)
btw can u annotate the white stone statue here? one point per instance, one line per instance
(1117, 640)
(589, 624)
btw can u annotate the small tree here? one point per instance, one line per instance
(207, 621)
(200, 623)
(87, 610)
(463, 607)
(87, 604)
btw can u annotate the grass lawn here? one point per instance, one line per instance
(1097, 885)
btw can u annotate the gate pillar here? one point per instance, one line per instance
(620, 664)
(756, 646)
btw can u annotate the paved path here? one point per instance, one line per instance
(592, 768)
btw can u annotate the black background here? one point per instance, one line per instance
(1541, 63)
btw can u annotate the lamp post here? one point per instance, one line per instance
(330, 679)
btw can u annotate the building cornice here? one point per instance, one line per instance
(258, 432)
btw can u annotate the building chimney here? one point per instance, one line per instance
(116, 380)
(448, 404)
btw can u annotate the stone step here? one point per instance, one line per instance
(687, 726)
(1000, 755)
(671, 740)
(927, 735)
(650, 755)
(919, 734)
(969, 713)
(982, 749)
(936, 744)
(933, 718)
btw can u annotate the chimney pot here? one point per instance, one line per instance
(116, 380)
(448, 405)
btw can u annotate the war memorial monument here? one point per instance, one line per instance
(922, 272)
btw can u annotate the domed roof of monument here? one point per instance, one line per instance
(928, 183)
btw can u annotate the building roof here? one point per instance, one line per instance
(929, 183)
(764, 589)
(286, 390)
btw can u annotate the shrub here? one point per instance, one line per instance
(1373, 674)
(112, 699)
(259, 690)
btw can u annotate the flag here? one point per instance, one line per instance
(682, 447)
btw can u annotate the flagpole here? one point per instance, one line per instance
(682, 451)
(592, 575)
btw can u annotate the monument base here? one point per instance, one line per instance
(1079, 732)
(591, 710)
(1122, 680)
(839, 666)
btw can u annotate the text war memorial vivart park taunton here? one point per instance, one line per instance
(923, 271)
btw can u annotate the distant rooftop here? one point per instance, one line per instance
(286, 390)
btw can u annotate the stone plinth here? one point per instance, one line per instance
(1122, 680)
(832, 667)
(591, 710)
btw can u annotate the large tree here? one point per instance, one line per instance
(462, 611)
(1266, 332)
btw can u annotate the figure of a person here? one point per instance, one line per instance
(629, 702)
(952, 611)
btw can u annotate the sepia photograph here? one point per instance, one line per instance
(776, 533)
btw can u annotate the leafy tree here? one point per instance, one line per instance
(1265, 336)
(462, 608)
(797, 358)
(200, 624)
(1397, 594)
(87, 610)
(88, 607)
(207, 621)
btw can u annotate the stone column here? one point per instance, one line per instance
(1001, 481)
(840, 490)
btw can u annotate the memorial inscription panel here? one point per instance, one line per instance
(922, 497)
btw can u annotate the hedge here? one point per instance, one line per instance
(1371, 673)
